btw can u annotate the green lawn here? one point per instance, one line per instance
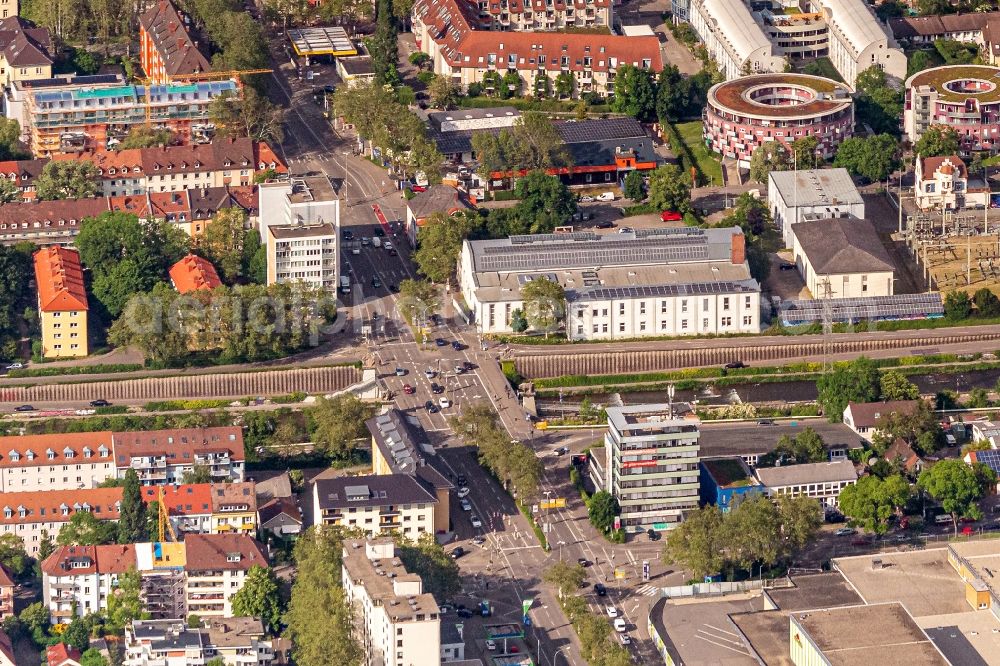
(705, 160)
(822, 67)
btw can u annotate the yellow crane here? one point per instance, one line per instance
(198, 76)
(164, 519)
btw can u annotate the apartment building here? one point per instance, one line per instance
(194, 273)
(62, 303)
(167, 50)
(517, 16)
(396, 622)
(191, 211)
(863, 417)
(29, 514)
(822, 481)
(396, 503)
(46, 223)
(163, 456)
(238, 641)
(25, 50)
(647, 282)
(304, 254)
(198, 576)
(55, 462)
(6, 593)
(651, 465)
(234, 508)
(963, 97)
(189, 506)
(22, 174)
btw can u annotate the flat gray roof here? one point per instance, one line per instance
(633, 416)
(816, 187)
(792, 475)
(305, 231)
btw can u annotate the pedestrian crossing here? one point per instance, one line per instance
(648, 590)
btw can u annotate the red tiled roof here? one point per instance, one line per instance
(109, 163)
(60, 653)
(264, 157)
(40, 445)
(218, 551)
(170, 37)
(23, 217)
(179, 445)
(194, 273)
(59, 277)
(946, 163)
(47, 506)
(98, 559)
(6, 647)
(6, 580)
(278, 506)
(184, 500)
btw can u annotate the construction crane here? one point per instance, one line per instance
(197, 76)
(164, 520)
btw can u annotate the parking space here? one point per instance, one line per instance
(923, 581)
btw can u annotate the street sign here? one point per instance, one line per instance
(645, 570)
(534, 508)
(620, 574)
(557, 503)
(618, 522)
(526, 605)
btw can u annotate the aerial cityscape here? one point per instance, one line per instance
(499, 332)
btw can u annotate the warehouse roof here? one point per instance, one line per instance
(842, 245)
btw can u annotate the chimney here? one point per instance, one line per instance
(738, 254)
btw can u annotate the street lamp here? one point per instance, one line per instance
(561, 544)
(556, 654)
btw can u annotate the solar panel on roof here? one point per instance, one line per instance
(990, 458)
(600, 130)
(656, 291)
(875, 308)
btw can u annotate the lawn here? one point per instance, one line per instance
(822, 67)
(705, 160)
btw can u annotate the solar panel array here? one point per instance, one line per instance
(610, 253)
(878, 308)
(990, 458)
(547, 238)
(600, 130)
(660, 291)
(93, 80)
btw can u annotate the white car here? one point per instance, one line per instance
(586, 198)
(475, 521)
(491, 645)
(15, 366)
(355, 250)
(844, 531)
(606, 196)
(444, 402)
(620, 625)
(625, 639)
(387, 245)
(466, 506)
(463, 492)
(612, 611)
(430, 374)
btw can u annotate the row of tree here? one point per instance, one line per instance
(513, 463)
(668, 97)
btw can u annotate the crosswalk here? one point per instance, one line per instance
(648, 590)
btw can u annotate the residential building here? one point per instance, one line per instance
(376, 504)
(725, 482)
(73, 116)
(944, 183)
(859, 40)
(281, 516)
(189, 506)
(435, 199)
(62, 303)
(963, 97)
(167, 51)
(303, 254)
(400, 446)
(25, 50)
(6, 647)
(16, 93)
(822, 481)
(238, 641)
(464, 49)
(22, 174)
(842, 258)
(733, 39)
(56, 462)
(194, 273)
(979, 28)
(61, 654)
(804, 194)
(191, 211)
(900, 451)
(745, 113)
(517, 16)
(272, 485)
(234, 508)
(396, 622)
(452, 642)
(7, 586)
(355, 70)
(163, 456)
(988, 431)
(452, 131)
(863, 417)
(28, 514)
(652, 465)
(47, 223)
(82, 577)
(647, 282)
(830, 635)
(215, 568)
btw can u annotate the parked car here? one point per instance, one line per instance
(620, 625)
(394, 288)
(408, 390)
(626, 230)
(379, 231)
(24, 408)
(444, 402)
(491, 645)
(100, 402)
(653, 534)
(348, 234)
(786, 267)
(466, 505)
(418, 188)
(431, 407)
(561, 451)
(387, 245)
(376, 283)
(365, 241)
(766, 422)
(461, 480)
(355, 250)
(586, 198)
(612, 611)
(845, 531)
(479, 539)
(583, 562)
(400, 372)
(459, 369)
(392, 252)
(606, 196)
(457, 346)
(440, 342)
(625, 639)
(605, 224)
(475, 521)
(671, 216)
(436, 388)
(430, 373)
(15, 366)
(464, 613)
(463, 492)
(600, 589)
(735, 365)
(457, 553)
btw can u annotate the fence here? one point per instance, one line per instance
(721, 588)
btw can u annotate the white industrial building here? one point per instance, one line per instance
(822, 481)
(648, 282)
(744, 41)
(794, 196)
(299, 223)
(842, 258)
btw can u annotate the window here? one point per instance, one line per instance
(684, 305)
(727, 321)
(621, 327)
(747, 320)
(725, 303)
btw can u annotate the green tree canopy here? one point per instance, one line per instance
(223, 243)
(602, 509)
(871, 159)
(337, 423)
(878, 103)
(567, 578)
(544, 304)
(440, 243)
(251, 115)
(987, 303)
(67, 179)
(768, 157)
(545, 203)
(635, 93)
(697, 543)
(83, 529)
(872, 501)
(850, 381)
(428, 559)
(894, 385)
(132, 516)
(957, 305)
(669, 189)
(937, 140)
(125, 602)
(259, 597)
(956, 486)
(12, 554)
(635, 186)
(417, 301)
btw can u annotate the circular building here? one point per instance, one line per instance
(964, 97)
(746, 112)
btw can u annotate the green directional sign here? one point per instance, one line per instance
(526, 606)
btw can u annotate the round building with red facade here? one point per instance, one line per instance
(963, 97)
(744, 113)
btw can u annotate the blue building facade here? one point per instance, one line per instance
(724, 482)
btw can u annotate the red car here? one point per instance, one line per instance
(418, 188)
(407, 389)
(671, 216)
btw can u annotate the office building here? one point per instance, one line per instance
(167, 50)
(963, 97)
(842, 258)
(733, 39)
(745, 113)
(794, 196)
(651, 464)
(396, 622)
(238, 641)
(647, 282)
(62, 303)
(376, 503)
(822, 481)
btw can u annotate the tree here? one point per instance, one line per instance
(878, 102)
(698, 542)
(45, 545)
(766, 158)
(918, 61)
(251, 115)
(417, 301)
(319, 619)
(602, 509)
(872, 501)
(565, 84)
(987, 303)
(937, 140)
(9, 191)
(224, 240)
(197, 474)
(544, 304)
(635, 186)
(956, 487)
(83, 529)
(919, 427)
(440, 242)
(93, 657)
(443, 93)
(803, 151)
(872, 159)
(132, 516)
(10, 140)
(146, 137)
(955, 52)
(957, 305)
(801, 518)
(12, 555)
(806, 447)
(535, 143)
(67, 179)
(216, 661)
(669, 189)
(77, 634)
(635, 93)
(436, 568)
(125, 601)
(337, 422)
(851, 381)
(894, 386)
(567, 578)
(672, 94)
(545, 203)
(259, 597)
(518, 323)
(419, 59)
(753, 531)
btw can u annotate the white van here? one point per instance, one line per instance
(376, 241)
(942, 518)
(345, 284)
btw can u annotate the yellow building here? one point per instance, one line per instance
(62, 302)
(24, 49)
(234, 508)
